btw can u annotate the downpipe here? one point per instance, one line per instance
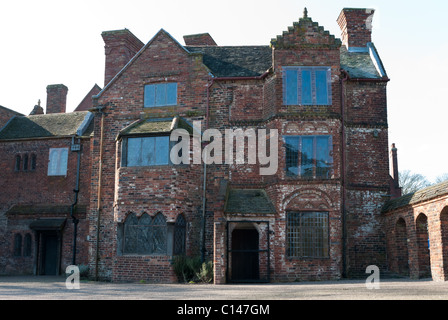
(75, 220)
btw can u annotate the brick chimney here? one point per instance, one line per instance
(120, 47)
(56, 98)
(395, 188)
(203, 39)
(356, 27)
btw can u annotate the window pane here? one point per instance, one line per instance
(307, 157)
(63, 162)
(134, 152)
(171, 94)
(130, 234)
(147, 151)
(160, 94)
(321, 87)
(292, 156)
(307, 234)
(307, 97)
(290, 82)
(323, 157)
(150, 96)
(162, 150)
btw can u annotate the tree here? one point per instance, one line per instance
(441, 178)
(412, 182)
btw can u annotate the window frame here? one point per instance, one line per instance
(297, 236)
(125, 150)
(60, 169)
(137, 228)
(157, 94)
(300, 155)
(294, 87)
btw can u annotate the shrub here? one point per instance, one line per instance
(190, 269)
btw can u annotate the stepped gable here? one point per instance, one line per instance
(305, 34)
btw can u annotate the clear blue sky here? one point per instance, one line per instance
(48, 42)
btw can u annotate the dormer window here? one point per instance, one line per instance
(307, 86)
(160, 94)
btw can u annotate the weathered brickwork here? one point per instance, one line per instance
(417, 228)
(318, 216)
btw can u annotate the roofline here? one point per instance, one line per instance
(46, 138)
(135, 57)
(10, 110)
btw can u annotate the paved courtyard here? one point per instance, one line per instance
(54, 288)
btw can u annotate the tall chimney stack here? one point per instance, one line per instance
(120, 47)
(356, 27)
(395, 184)
(56, 98)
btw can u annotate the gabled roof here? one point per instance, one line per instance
(48, 126)
(237, 61)
(155, 126)
(246, 201)
(425, 194)
(161, 31)
(4, 109)
(305, 34)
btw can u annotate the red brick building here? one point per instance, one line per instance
(321, 100)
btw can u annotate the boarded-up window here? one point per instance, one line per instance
(307, 86)
(57, 164)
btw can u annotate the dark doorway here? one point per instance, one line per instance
(50, 254)
(245, 255)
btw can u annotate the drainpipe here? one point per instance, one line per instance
(100, 169)
(72, 207)
(343, 176)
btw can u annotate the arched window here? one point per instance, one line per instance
(17, 245)
(33, 162)
(130, 233)
(159, 234)
(27, 246)
(145, 235)
(25, 162)
(180, 228)
(17, 164)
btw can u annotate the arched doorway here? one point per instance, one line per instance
(401, 254)
(444, 230)
(423, 245)
(248, 251)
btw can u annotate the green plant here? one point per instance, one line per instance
(191, 270)
(205, 273)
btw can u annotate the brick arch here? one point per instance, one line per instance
(422, 236)
(309, 198)
(401, 251)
